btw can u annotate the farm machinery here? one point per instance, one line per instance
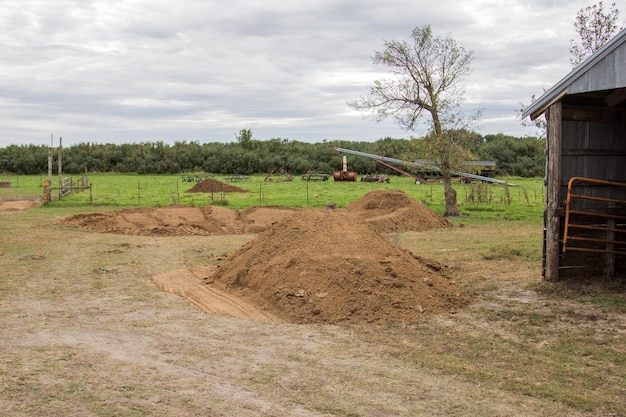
(315, 176)
(285, 176)
(345, 175)
(375, 178)
(425, 165)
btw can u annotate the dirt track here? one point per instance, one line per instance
(190, 283)
(18, 205)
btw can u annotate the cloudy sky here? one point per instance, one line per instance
(109, 71)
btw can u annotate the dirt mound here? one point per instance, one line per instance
(323, 266)
(214, 186)
(386, 211)
(329, 267)
(180, 220)
(394, 211)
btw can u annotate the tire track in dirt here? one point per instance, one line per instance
(190, 283)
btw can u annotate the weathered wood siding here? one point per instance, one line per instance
(597, 150)
(594, 150)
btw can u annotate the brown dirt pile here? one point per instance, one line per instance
(305, 266)
(214, 186)
(391, 211)
(329, 267)
(388, 211)
(180, 220)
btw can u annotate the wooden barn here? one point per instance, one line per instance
(585, 212)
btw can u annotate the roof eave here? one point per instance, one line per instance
(559, 90)
(544, 107)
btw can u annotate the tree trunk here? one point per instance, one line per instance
(450, 198)
(443, 147)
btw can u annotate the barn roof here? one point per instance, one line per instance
(594, 74)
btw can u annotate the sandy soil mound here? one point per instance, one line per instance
(214, 186)
(329, 267)
(322, 266)
(180, 220)
(394, 211)
(387, 211)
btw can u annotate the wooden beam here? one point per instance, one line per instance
(594, 114)
(553, 186)
(546, 106)
(593, 152)
(615, 97)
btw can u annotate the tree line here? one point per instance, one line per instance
(513, 156)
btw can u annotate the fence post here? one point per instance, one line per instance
(60, 168)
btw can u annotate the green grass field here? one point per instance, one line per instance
(478, 202)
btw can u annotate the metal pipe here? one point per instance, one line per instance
(433, 168)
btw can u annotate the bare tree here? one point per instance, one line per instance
(539, 123)
(595, 26)
(427, 75)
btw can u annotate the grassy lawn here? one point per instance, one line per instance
(478, 202)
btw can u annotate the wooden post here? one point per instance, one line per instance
(553, 187)
(609, 260)
(60, 168)
(48, 195)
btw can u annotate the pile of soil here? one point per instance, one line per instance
(388, 211)
(330, 266)
(305, 265)
(214, 186)
(394, 211)
(180, 220)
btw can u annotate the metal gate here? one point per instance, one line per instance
(598, 225)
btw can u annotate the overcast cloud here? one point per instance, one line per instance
(107, 71)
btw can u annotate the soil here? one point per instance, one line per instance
(214, 186)
(189, 283)
(181, 220)
(388, 211)
(8, 203)
(306, 266)
(394, 211)
(85, 332)
(330, 266)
